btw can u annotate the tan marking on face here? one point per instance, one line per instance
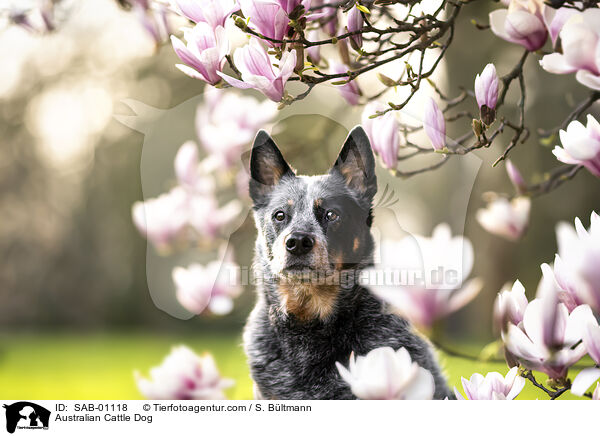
(339, 262)
(356, 245)
(308, 301)
(318, 202)
(290, 202)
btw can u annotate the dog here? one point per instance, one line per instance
(312, 230)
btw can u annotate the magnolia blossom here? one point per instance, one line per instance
(349, 90)
(581, 145)
(190, 172)
(183, 375)
(385, 374)
(211, 287)
(522, 23)
(226, 122)
(267, 17)
(515, 177)
(434, 124)
(162, 219)
(355, 23)
(207, 219)
(492, 387)
(257, 71)
(212, 12)
(428, 275)
(508, 219)
(587, 377)
(382, 132)
(486, 93)
(509, 306)
(576, 264)
(580, 41)
(549, 338)
(204, 54)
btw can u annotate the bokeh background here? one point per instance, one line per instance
(76, 314)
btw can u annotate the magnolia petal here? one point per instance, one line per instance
(584, 380)
(588, 79)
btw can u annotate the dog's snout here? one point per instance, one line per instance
(298, 243)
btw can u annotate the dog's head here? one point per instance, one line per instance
(313, 226)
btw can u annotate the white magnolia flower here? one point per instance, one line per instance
(505, 218)
(492, 387)
(385, 374)
(580, 41)
(510, 306)
(183, 375)
(432, 275)
(576, 264)
(211, 287)
(581, 145)
(227, 122)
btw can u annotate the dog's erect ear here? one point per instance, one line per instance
(267, 167)
(356, 163)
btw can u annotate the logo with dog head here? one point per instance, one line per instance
(26, 415)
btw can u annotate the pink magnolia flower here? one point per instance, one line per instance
(515, 177)
(207, 219)
(549, 338)
(508, 219)
(576, 264)
(183, 375)
(257, 71)
(226, 122)
(162, 219)
(267, 17)
(428, 275)
(509, 306)
(486, 93)
(212, 12)
(382, 132)
(492, 387)
(434, 124)
(580, 40)
(211, 287)
(355, 23)
(204, 54)
(521, 23)
(385, 374)
(581, 145)
(350, 90)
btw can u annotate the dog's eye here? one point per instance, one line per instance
(279, 215)
(331, 215)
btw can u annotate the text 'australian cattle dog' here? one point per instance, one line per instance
(313, 240)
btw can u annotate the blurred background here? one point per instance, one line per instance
(76, 313)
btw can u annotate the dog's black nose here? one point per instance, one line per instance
(299, 243)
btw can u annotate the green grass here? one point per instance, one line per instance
(78, 366)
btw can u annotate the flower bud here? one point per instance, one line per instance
(486, 93)
(434, 124)
(515, 177)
